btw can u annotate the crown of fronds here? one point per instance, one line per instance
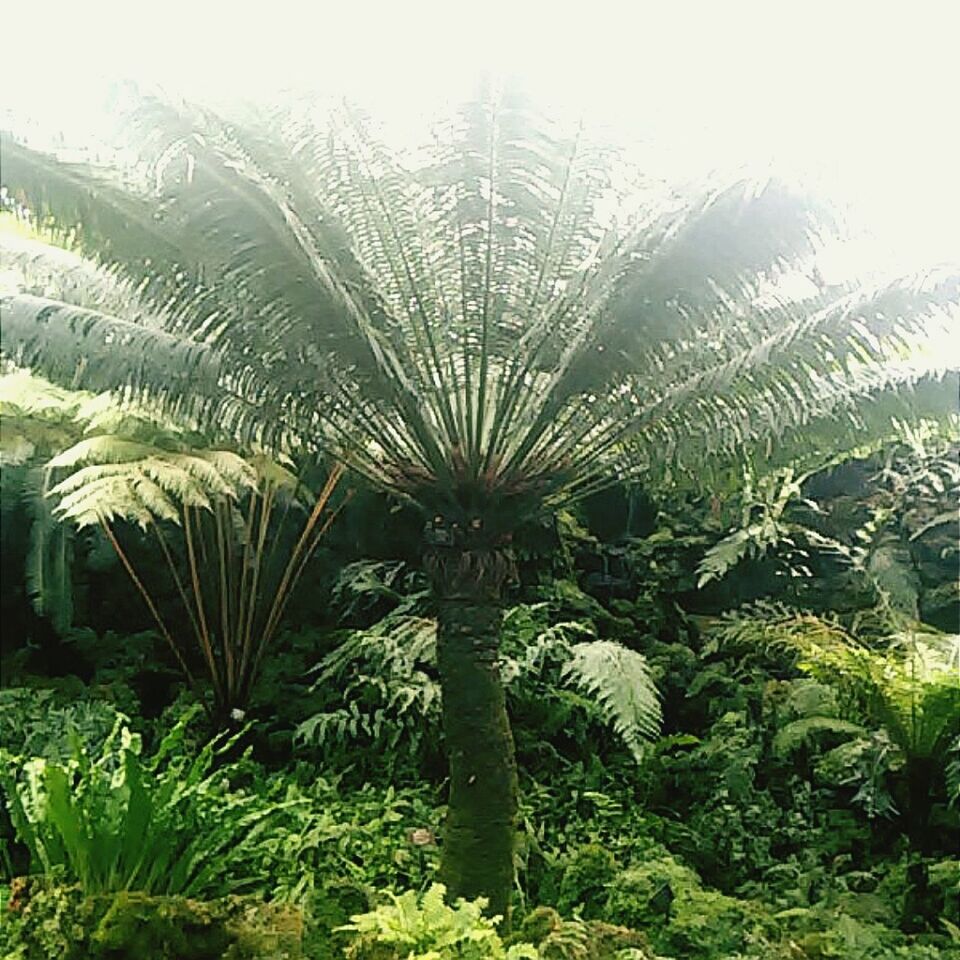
(484, 321)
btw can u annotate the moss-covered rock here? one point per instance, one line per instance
(45, 921)
(665, 899)
(587, 872)
(559, 939)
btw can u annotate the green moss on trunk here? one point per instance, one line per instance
(481, 817)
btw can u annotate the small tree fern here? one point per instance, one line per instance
(907, 687)
(225, 559)
(216, 518)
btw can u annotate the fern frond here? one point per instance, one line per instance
(136, 481)
(620, 680)
(22, 394)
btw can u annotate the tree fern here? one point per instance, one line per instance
(909, 687)
(157, 472)
(504, 319)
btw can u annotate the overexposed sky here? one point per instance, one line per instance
(863, 95)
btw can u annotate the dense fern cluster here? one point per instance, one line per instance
(388, 693)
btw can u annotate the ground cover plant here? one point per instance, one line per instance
(646, 685)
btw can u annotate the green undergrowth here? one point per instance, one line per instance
(776, 817)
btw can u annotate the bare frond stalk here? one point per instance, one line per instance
(221, 522)
(181, 589)
(204, 634)
(148, 600)
(299, 557)
(266, 509)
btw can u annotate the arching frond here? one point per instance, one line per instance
(131, 480)
(799, 732)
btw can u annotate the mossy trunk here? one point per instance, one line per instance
(478, 840)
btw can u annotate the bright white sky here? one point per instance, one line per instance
(864, 94)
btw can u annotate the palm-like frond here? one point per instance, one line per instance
(854, 431)
(130, 480)
(483, 324)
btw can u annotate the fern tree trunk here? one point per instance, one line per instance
(479, 834)
(921, 775)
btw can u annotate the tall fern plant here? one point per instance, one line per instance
(487, 325)
(219, 522)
